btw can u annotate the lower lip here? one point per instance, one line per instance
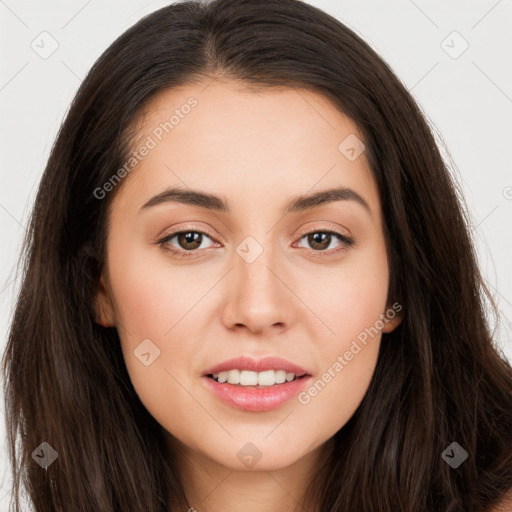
(249, 398)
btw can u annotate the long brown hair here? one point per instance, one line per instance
(439, 377)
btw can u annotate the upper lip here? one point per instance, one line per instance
(257, 365)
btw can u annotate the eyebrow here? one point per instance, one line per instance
(220, 204)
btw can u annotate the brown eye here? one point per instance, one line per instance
(320, 240)
(189, 240)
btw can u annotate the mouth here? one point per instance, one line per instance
(279, 382)
(248, 370)
(255, 380)
(255, 398)
(256, 385)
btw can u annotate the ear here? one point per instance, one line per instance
(103, 306)
(394, 316)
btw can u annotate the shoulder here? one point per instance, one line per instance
(505, 504)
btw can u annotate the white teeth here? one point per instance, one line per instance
(221, 376)
(249, 378)
(233, 376)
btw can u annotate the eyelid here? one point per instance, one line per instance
(301, 233)
(185, 229)
(322, 227)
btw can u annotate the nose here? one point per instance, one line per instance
(259, 294)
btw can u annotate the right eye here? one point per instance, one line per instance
(193, 238)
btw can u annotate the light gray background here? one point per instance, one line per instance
(467, 98)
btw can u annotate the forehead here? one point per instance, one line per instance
(244, 112)
(228, 138)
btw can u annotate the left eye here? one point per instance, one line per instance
(191, 241)
(321, 240)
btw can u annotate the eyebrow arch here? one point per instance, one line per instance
(219, 204)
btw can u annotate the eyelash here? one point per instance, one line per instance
(347, 242)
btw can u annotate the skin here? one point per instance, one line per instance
(257, 150)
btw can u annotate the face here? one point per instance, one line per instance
(189, 284)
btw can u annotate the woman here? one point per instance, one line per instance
(250, 285)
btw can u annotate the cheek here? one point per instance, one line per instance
(351, 302)
(151, 311)
(150, 297)
(151, 308)
(354, 306)
(351, 297)
(348, 361)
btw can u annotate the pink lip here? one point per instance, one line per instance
(257, 365)
(250, 398)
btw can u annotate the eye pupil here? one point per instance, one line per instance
(188, 238)
(317, 243)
